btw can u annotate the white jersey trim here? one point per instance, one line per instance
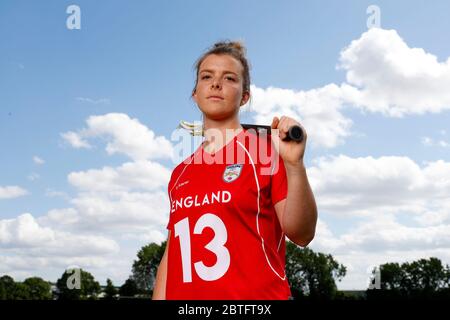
(279, 243)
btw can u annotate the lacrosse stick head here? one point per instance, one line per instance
(194, 128)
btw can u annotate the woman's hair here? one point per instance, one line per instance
(237, 50)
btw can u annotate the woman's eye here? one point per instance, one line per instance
(208, 76)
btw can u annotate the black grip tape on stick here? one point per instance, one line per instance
(295, 132)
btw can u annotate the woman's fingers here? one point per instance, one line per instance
(282, 127)
(275, 122)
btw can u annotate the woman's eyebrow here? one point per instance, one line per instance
(212, 71)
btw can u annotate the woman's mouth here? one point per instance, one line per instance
(215, 98)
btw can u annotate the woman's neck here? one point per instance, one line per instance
(227, 130)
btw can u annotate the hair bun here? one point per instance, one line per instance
(236, 45)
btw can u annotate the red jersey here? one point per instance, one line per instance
(226, 241)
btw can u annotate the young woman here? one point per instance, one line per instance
(228, 219)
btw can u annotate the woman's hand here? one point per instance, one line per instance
(291, 152)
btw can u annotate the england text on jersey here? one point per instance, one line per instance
(221, 196)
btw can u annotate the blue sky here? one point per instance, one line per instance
(136, 58)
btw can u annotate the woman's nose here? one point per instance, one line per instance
(215, 83)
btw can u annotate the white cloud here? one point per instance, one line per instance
(53, 193)
(384, 233)
(319, 111)
(126, 211)
(10, 192)
(152, 235)
(437, 212)
(427, 141)
(75, 140)
(25, 232)
(60, 217)
(140, 175)
(430, 142)
(367, 185)
(393, 78)
(38, 160)
(33, 176)
(131, 198)
(93, 101)
(116, 214)
(127, 136)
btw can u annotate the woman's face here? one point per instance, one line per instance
(219, 91)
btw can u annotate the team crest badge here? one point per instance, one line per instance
(232, 172)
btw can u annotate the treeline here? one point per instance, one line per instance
(311, 275)
(421, 279)
(36, 288)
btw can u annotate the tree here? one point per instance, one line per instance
(145, 267)
(88, 289)
(312, 274)
(31, 289)
(424, 278)
(393, 276)
(7, 287)
(110, 291)
(128, 289)
(427, 275)
(20, 292)
(38, 288)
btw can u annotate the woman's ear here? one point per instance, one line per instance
(245, 97)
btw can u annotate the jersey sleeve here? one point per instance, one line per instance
(279, 180)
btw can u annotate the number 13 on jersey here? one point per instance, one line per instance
(216, 246)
